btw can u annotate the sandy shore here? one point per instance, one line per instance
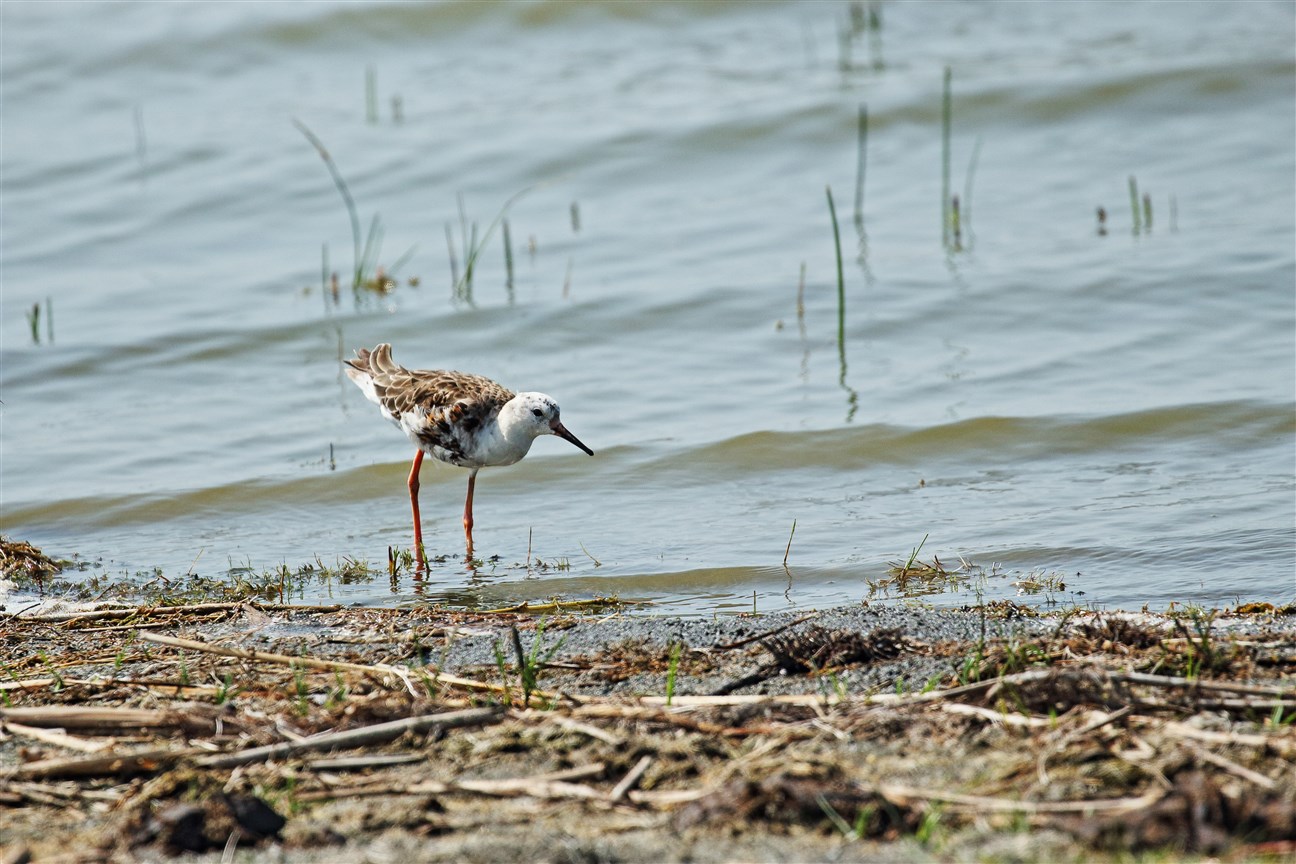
(853, 734)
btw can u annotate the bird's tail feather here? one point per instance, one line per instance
(367, 364)
(380, 360)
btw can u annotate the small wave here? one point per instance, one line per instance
(1226, 425)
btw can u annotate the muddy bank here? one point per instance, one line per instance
(325, 733)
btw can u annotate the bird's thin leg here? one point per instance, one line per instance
(419, 555)
(468, 520)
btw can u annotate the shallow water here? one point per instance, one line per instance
(1112, 412)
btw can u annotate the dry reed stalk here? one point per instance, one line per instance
(631, 779)
(112, 765)
(56, 738)
(373, 734)
(78, 717)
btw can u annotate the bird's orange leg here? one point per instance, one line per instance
(468, 520)
(419, 555)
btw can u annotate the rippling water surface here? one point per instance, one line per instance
(1111, 414)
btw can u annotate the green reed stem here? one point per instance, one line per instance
(913, 556)
(358, 275)
(502, 666)
(373, 244)
(843, 48)
(402, 261)
(841, 276)
(371, 94)
(471, 262)
(1134, 204)
(454, 262)
(672, 669)
(508, 254)
(956, 226)
(472, 245)
(852, 398)
(463, 230)
(800, 303)
(945, 158)
(526, 672)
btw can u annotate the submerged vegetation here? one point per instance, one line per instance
(315, 581)
(366, 272)
(34, 321)
(368, 277)
(473, 247)
(1140, 212)
(852, 396)
(916, 578)
(956, 212)
(913, 578)
(311, 582)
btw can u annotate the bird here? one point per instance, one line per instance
(457, 418)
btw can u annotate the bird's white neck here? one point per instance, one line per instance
(514, 436)
(515, 422)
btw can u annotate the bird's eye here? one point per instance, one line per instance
(537, 412)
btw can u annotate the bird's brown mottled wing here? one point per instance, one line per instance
(455, 404)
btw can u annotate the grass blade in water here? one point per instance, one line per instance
(945, 160)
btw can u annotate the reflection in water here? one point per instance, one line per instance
(141, 145)
(852, 397)
(967, 194)
(801, 327)
(508, 264)
(861, 164)
(862, 246)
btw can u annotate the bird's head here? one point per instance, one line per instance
(539, 414)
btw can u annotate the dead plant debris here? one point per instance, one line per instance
(22, 561)
(197, 729)
(815, 648)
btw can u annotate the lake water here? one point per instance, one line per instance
(1112, 411)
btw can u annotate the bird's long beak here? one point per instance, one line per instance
(561, 431)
